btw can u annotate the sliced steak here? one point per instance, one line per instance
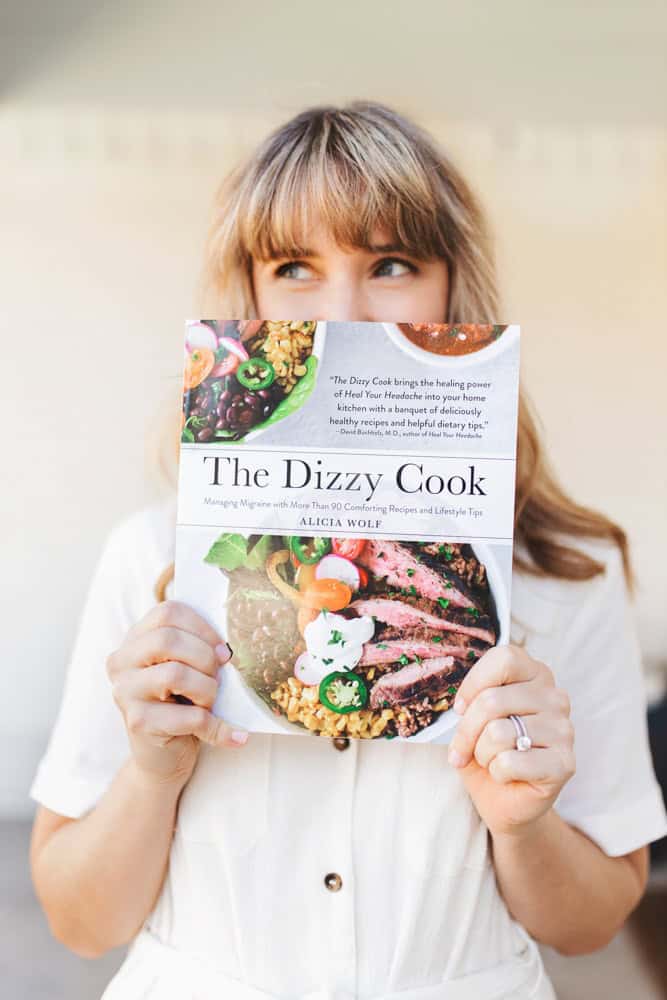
(460, 567)
(405, 613)
(410, 568)
(412, 681)
(421, 642)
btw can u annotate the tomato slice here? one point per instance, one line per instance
(363, 577)
(199, 364)
(328, 595)
(351, 548)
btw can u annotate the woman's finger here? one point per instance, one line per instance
(162, 681)
(499, 665)
(165, 721)
(162, 644)
(523, 698)
(544, 729)
(535, 765)
(175, 614)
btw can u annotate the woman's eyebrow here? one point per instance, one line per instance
(386, 248)
(296, 253)
(284, 253)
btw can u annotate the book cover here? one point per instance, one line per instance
(345, 517)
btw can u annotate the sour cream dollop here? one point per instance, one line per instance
(332, 643)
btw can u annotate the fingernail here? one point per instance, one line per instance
(455, 758)
(459, 705)
(224, 652)
(239, 736)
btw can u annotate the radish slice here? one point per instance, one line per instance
(338, 568)
(308, 670)
(200, 335)
(234, 346)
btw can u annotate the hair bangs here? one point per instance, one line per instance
(359, 192)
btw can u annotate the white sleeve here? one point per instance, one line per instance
(613, 797)
(88, 743)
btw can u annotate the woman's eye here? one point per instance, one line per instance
(293, 269)
(393, 267)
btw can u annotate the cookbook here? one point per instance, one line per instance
(345, 517)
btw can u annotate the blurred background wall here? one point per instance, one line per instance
(117, 122)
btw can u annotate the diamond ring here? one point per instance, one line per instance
(523, 740)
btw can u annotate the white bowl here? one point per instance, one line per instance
(452, 361)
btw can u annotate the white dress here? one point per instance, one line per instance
(410, 910)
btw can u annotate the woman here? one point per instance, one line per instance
(351, 868)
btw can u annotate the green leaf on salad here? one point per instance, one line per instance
(259, 552)
(231, 551)
(228, 552)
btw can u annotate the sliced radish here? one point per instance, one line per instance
(234, 346)
(338, 568)
(308, 670)
(200, 335)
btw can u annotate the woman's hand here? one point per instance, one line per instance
(169, 654)
(512, 788)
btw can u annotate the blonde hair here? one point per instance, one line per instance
(356, 169)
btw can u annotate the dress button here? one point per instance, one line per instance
(341, 743)
(333, 881)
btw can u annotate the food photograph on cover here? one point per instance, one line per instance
(353, 636)
(243, 376)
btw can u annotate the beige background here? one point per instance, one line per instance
(112, 139)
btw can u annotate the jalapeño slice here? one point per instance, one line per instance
(309, 550)
(343, 691)
(256, 373)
